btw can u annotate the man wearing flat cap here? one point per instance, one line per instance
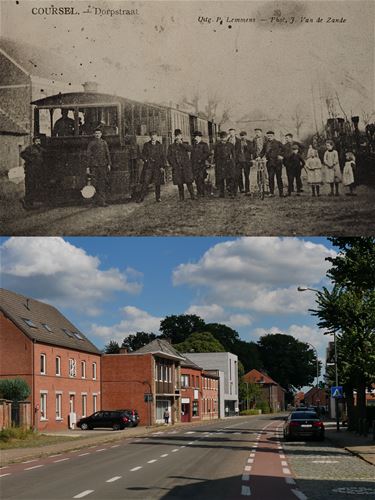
(273, 151)
(34, 172)
(243, 162)
(153, 162)
(179, 159)
(199, 155)
(224, 158)
(99, 163)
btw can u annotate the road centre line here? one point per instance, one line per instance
(34, 467)
(61, 460)
(84, 493)
(115, 478)
(136, 468)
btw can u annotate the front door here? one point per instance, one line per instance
(185, 412)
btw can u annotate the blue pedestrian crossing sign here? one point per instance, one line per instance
(336, 391)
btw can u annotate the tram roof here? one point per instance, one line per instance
(88, 98)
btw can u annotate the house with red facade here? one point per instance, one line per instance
(210, 395)
(59, 363)
(147, 379)
(272, 392)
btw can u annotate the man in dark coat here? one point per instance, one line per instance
(273, 151)
(199, 155)
(258, 143)
(235, 141)
(34, 172)
(244, 155)
(288, 151)
(179, 159)
(225, 167)
(153, 162)
(64, 125)
(294, 164)
(99, 163)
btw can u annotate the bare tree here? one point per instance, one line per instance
(298, 118)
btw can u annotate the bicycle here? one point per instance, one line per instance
(260, 164)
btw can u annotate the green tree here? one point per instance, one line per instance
(138, 340)
(200, 342)
(348, 311)
(291, 363)
(178, 328)
(112, 347)
(224, 334)
(14, 389)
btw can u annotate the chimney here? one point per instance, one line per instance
(124, 350)
(90, 87)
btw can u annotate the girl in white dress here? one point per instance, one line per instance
(332, 166)
(348, 173)
(313, 168)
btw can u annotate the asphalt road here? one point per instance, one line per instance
(229, 459)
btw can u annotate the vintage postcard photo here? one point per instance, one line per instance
(187, 118)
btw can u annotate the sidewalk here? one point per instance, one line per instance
(363, 447)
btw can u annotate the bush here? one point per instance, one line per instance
(11, 433)
(249, 412)
(14, 389)
(264, 406)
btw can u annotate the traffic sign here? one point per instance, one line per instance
(336, 391)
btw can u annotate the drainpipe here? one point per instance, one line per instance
(33, 388)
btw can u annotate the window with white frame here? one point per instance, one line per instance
(195, 408)
(94, 371)
(72, 367)
(83, 369)
(84, 405)
(43, 406)
(43, 364)
(185, 381)
(166, 373)
(58, 366)
(94, 403)
(58, 403)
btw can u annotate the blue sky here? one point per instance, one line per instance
(111, 287)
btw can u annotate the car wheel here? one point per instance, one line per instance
(116, 427)
(85, 427)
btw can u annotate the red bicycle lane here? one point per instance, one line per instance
(266, 474)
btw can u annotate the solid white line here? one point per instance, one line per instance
(115, 446)
(284, 463)
(152, 461)
(113, 479)
(101, 449)
(290, 480)
(7, 474)
(61, 460)
(165, 455)
(245, 490)
(84, 493)
(135, 468)
(245, 477)
(286, 470)
(83, 454)
(34, 467)
(29, 461)
(299, 494)
(247, 468)
(324, 461)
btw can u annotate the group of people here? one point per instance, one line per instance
(227, 166)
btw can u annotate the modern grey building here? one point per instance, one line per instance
(224, 364)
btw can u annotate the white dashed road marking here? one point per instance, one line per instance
(252, 455)
(250, 460)
(284, 463)
(83, 454)
(116, 478)
(290, 480)
(247, 468)
(246, 491)
(56, 455)
(7, 474)
(299, 495)
(34, 467)
(165, 455)
(115, 446)
(245, 477)
(61, 460)
(174, 451)
(101, 449)
(152, 461)
(135, 468)
(29, 461)
(84, 493)
(286, 470)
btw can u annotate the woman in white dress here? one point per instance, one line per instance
(313, 168)
(332, 168)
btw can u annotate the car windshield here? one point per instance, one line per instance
(304, 415)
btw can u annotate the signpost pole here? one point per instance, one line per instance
(337, 383)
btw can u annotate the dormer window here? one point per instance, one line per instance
(67, 332)
(29, 323)
(47, 327)
(78, 336)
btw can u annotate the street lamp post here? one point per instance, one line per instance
(303, 289)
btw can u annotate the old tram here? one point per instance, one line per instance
(125, 125)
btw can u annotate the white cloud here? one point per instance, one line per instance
(55, 271)
(214, 313)
(135, 320)
(260, 274)
(305, 333)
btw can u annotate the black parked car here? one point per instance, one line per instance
(115, 419)
(303, 424)
(133, 417)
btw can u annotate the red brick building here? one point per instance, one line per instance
(59, 363)
(210, 395)
(272, 392)
(191, 391)
(316, 397)
(147, 379)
